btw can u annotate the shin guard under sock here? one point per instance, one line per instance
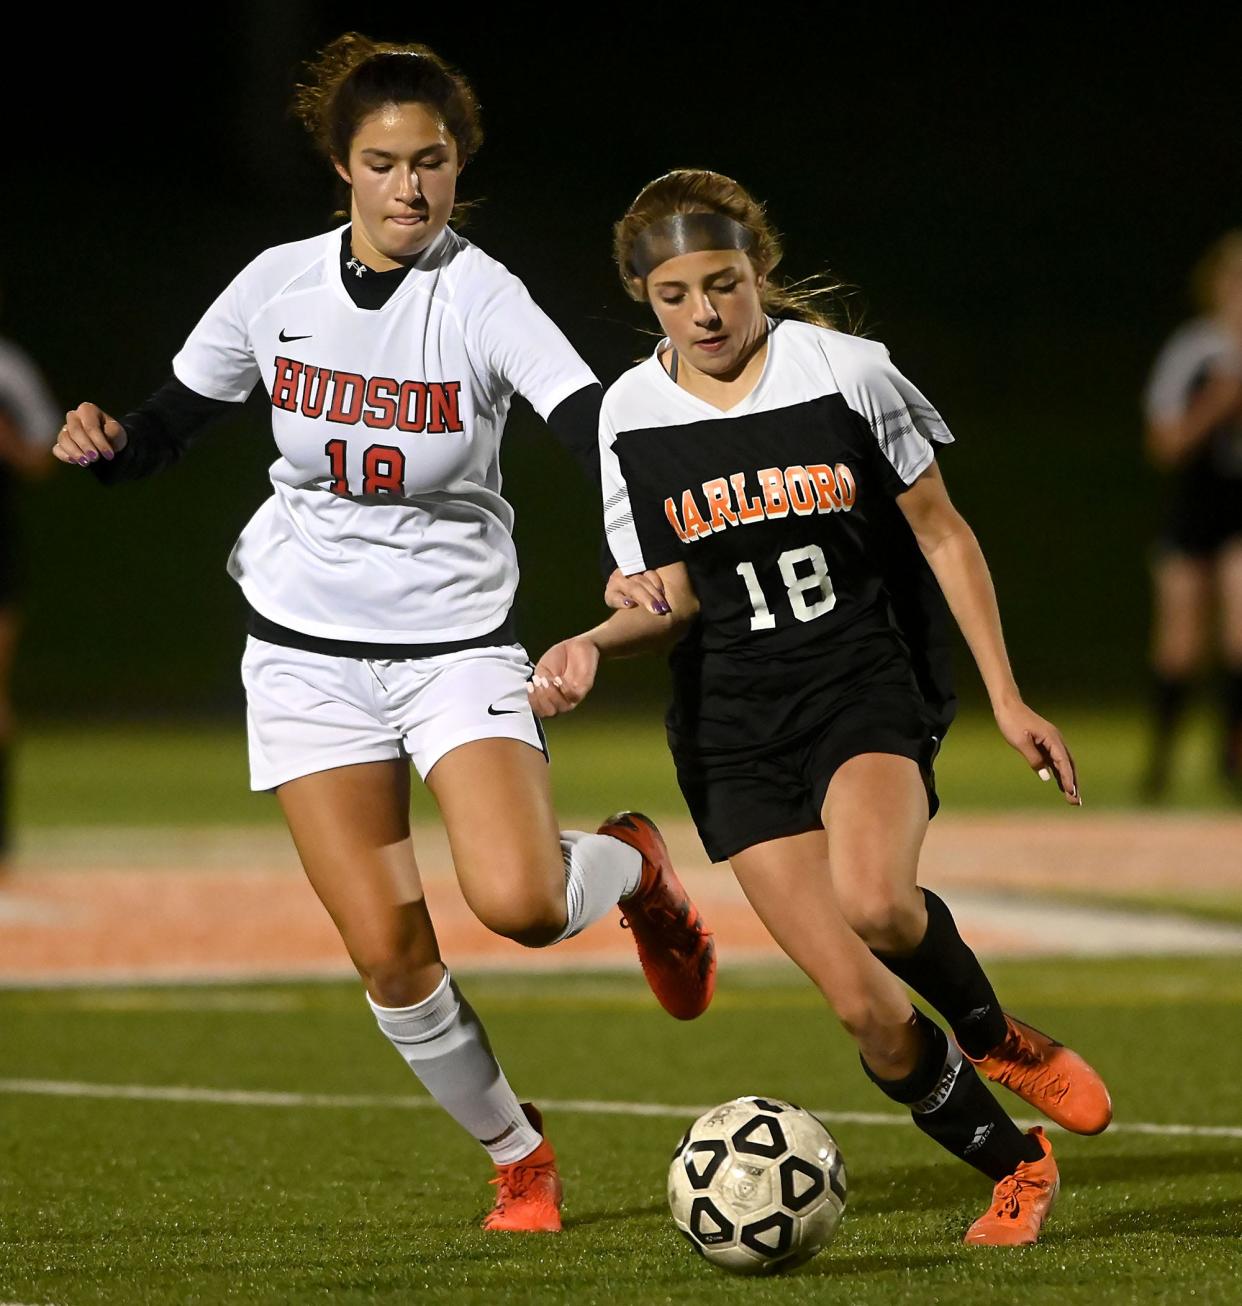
(1231, 759)
(954, 1108)
(944, 972)
(599, 872)
(4, 801)
(445, 1045)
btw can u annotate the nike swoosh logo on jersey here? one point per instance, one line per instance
(284, 339)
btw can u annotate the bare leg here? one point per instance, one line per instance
(496, 803)
(875, 813)
(787, 881)
(351, 826)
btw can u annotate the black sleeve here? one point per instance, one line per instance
(575, 423)
(160, 431)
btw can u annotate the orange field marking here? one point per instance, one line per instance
(184, 905)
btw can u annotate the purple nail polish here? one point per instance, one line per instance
(93, 455)
(663, 609)
(85, 462)
(109, 455)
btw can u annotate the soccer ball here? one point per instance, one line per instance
(757, 1185)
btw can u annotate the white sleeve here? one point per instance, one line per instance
(904, 423)
(217, 360)
(619, 525)
(521, 344)
(1191, 350)
(24, 393)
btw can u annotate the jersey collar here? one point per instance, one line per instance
(667, 384)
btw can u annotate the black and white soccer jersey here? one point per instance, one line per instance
(781, 509)
(386, 524)
(1205, 506)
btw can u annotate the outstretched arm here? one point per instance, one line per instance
(566, 672)
(143, 442)
(953, 553)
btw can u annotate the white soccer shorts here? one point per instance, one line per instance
(308, 712)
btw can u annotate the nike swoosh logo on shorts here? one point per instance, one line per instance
(284, 339)
(504, 711)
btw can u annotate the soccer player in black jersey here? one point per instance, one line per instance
(771, 494)
(1193, 408)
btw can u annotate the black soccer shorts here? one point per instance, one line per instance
(744, 799)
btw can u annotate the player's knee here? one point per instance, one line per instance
(398, 980)
(533, 921)
(856, 1013)
(887, 920)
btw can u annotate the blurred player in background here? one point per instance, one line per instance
(28, 422)
(1194, 436)
(380, 577)
(780, 475)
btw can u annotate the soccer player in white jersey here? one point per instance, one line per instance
(28, 420)
(780, 476)
(380, 576)
(1194, 436)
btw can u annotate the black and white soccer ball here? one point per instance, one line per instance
(757, 1185)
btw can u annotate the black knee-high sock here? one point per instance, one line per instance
(953, 1107)
(1231, 761)
(946, 973)
(1168, 703)
(4, 800)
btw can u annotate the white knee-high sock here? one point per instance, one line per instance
(599, 872)
(445, 1045)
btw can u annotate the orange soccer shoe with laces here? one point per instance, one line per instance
(1020, 1202)
(675, 948)
(1054, 1079)
(528, 1192)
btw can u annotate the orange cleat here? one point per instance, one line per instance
(1051, 1077)
(675, 948)
(528, 1192)
(1020, 1202)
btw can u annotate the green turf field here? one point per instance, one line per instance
(133, 1202)
(97, 775)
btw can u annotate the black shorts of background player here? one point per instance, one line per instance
(28, 421)
(1194, 435)
(750, 468)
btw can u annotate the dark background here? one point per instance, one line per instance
(1020, 205)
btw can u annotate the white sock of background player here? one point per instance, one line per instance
(599, 872)
(445, 1045)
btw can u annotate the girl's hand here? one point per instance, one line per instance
(563, 677)
(88, 435)
(1040, 742)
(646, 590)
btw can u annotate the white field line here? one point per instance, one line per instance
(572, 1106)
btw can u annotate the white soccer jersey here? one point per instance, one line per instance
(805, 364)
(1194, 349)
(386, 523)
(24, 395)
